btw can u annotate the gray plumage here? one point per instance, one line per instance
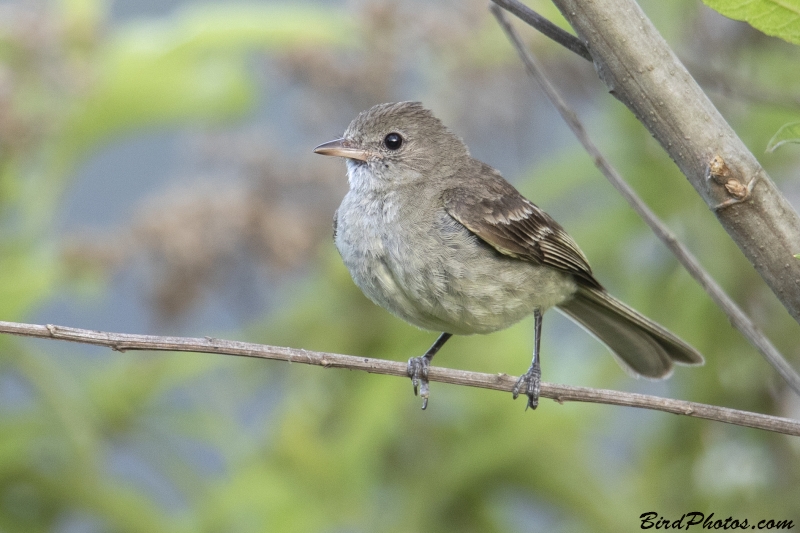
(444, 242)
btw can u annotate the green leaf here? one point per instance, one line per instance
(797, 256)
(779, 18)
(788, 133)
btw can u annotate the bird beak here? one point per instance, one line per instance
(341, 148)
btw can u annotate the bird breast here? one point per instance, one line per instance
(415, 260)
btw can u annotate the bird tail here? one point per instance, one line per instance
(639, 344)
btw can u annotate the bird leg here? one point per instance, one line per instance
(418, 368)
(533, 377)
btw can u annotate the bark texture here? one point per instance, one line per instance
(641, 71)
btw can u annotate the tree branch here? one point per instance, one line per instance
(718, 81)
(547, 28)
(642, 71)
(735, 315)
(122, 342)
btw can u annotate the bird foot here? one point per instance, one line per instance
(418, 372)
(528, 383)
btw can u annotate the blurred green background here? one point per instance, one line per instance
(156, 176)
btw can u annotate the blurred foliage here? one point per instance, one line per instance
(93, 441)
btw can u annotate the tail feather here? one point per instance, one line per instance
(642, 346)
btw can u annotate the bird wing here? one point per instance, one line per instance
(513, 225)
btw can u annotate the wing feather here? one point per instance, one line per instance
(499, 215)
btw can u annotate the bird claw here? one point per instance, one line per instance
(529, 383)
(418, 372)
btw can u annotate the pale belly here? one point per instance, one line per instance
(437, 275)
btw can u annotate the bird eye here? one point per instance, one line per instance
(393, 141)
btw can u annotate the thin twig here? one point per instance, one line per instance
(561, 393)
(547, 28)
(735, 315)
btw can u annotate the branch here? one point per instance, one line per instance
(643, 72)
(714, 80)
(122, 342)
(735, 315)
(547, 28)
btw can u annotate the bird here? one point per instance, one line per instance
(444, 242)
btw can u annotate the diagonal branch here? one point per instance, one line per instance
(643, 72)
(547, 28)
(122, 342)
(735, 315)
